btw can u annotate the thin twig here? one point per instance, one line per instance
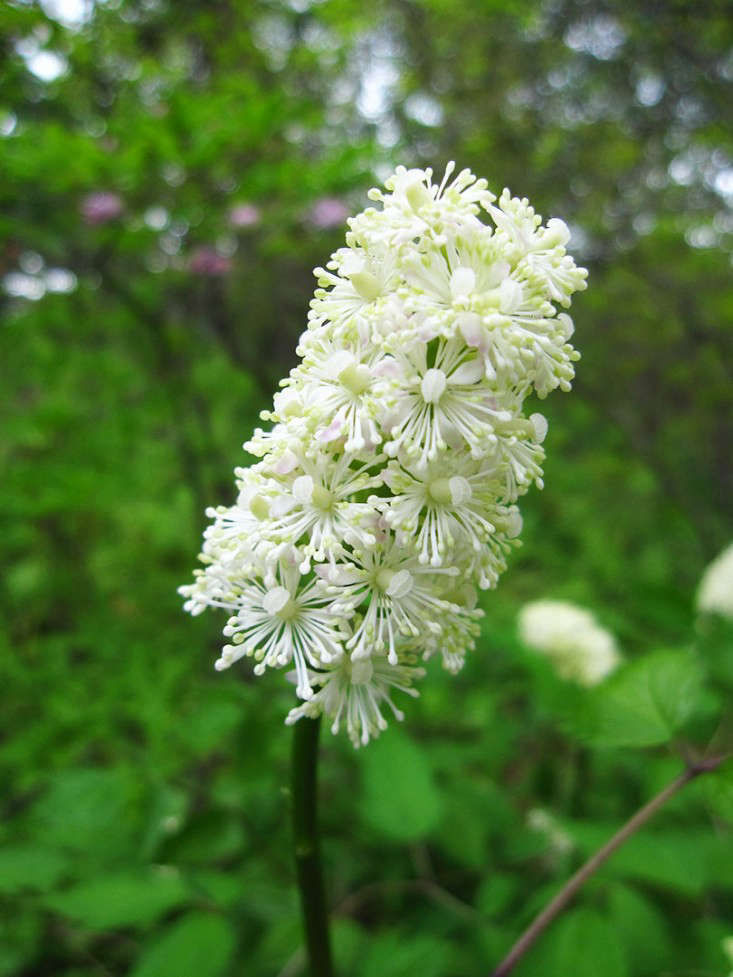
(565, 895)
(426, 887)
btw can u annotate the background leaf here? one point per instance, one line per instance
(646, 702)
(582, 941)
(30, 867)
(199, 943)
(122, 900)
(399, 796)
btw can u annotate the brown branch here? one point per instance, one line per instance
(571, 887)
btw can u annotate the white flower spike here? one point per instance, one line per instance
(386, 490)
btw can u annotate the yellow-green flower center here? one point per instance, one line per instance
(366, 284)
(356, 378)
(278, 602)
(321, 498)
(259, 507)
(439, 491)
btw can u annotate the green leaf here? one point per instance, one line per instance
(646, 702)
(94, 811)
(582, 942)
(30, 867)
(396, 954)
(400, 799)
(641, 929)
(208, 837)
(223, 888)
(21, 936)
(348, 942)
(672, 859)
(718, 787)
(200, 944)
(495, 893)
(122, 900)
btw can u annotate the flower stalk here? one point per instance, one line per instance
(307, 847)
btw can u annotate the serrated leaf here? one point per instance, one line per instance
(130, 899)
(646, 702)
(399, 797)
(200, 944)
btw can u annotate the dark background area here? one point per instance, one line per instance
(170, 174)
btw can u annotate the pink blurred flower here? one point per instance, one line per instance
(244, 215)
(101, 206)
(207, 261)
(328, 212)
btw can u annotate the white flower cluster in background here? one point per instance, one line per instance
(544, 823)
(727, 945)
(385, 489)
(579, 648)
(715, 594)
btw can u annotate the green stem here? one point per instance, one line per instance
(307, 850)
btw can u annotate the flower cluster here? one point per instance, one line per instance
(579, 648)
(715, 593)
(386, 488)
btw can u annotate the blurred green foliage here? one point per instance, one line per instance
(171, 172)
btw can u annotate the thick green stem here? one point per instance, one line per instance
(307, 849)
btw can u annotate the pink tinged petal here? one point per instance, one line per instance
(303, 489)
(286, 463)
(282, 505)
(388, 367)
(469, 324)
(468, 373)
(333, 431)
(340, 574)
